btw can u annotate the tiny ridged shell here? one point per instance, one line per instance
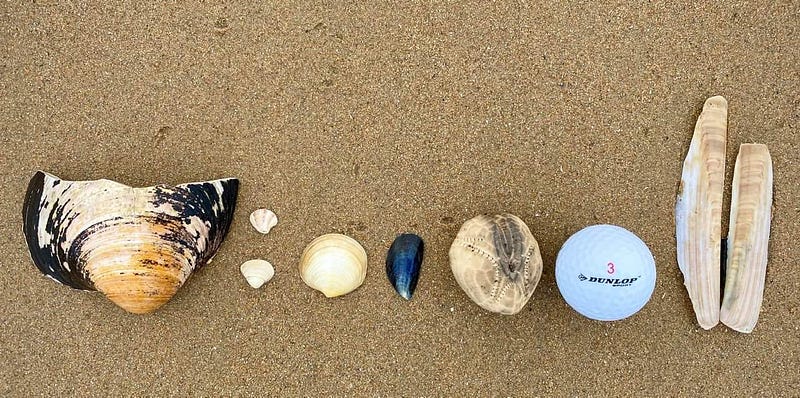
(334, 264)
(263, 220)
(257, 272)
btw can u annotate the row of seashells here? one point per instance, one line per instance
(336, 264)
(495, 260)
(138, 246)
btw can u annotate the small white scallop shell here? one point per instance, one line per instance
(257, 272)
(334, 264)
(263, 220)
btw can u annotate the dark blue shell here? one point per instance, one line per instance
(403, 263)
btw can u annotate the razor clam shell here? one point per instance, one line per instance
(748, 238)
(497, 262)
(403, 262)
(698, 211)
(135, 245)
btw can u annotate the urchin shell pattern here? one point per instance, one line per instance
(497, 262)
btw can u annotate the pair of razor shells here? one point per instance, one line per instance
(698, 221)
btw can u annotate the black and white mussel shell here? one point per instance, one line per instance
(135, 245)
(403, 263)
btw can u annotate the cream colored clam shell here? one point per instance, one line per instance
(263, 220)
(334, 264)
(257, 272)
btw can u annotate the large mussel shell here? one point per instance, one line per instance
(135, 245)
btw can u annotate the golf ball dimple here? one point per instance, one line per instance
(605, 272)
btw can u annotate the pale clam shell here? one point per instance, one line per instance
(257, 272)
(698, 211)
(135, 245)
(334, 264)
(748, 238)
(496, 261)
(263, 220)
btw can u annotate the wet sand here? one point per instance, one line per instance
(377, 119)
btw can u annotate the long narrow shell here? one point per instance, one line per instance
(496, 261)
(751, 213)
(257, 272)
(334, 264)
(263, 220)
(135, 245)
(698, 211)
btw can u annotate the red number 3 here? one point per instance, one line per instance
(610, 268)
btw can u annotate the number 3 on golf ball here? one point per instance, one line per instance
(605, 272)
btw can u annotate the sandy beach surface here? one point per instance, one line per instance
(375, 118)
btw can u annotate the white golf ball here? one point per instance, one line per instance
(605, 272)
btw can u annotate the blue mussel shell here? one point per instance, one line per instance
(403, 263)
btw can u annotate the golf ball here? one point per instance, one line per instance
(605, 272)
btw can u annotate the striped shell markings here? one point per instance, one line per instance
(135, 245)
(698, 211)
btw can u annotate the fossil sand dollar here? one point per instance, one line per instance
(497, 262)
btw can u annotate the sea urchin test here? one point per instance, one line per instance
(496, 261)
(605, 272)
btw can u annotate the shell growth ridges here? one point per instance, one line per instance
(135, 245)
(334, 264)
